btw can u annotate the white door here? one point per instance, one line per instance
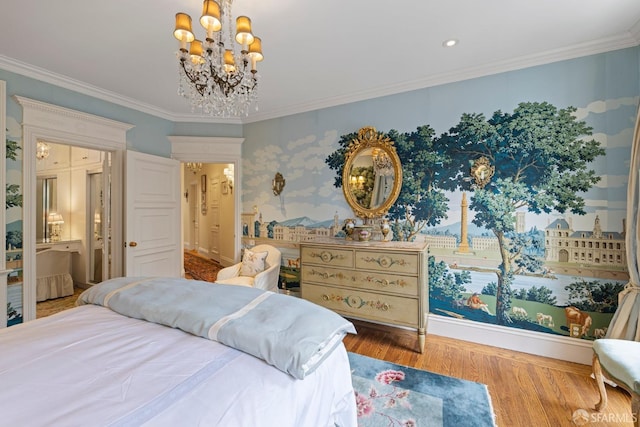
(152, 216)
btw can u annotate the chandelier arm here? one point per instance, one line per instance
(200, 87)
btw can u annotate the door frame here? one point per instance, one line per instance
(51, 123)
(215, 150)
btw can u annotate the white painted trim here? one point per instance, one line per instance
(3, 201)
(48, 122)
(538, 343)
(215, 150)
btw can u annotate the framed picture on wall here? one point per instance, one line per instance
(225, 187)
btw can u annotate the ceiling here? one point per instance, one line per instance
(317, 53)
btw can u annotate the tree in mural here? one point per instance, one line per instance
(594, 295)
(541, 294)
(14, 198)
(444, 285)
(541, 159)
(421, 201)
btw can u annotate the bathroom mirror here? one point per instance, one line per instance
(372, 174)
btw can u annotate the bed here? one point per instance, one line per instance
(115, 360)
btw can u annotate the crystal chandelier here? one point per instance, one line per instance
(382, 164)
(212, 76)
(194, 167)
(42, 150)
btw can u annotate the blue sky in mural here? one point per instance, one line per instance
(309, 182)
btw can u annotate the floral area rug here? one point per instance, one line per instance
(199, 268)
(391, 395)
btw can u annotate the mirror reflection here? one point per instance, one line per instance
(372, 174)
(371, 177)
(46, 204)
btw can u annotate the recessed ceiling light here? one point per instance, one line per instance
(450, 43)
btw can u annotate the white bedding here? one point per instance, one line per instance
(92, 366)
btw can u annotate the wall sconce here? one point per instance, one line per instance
(228, 173)
(278, 183)
(55, 221)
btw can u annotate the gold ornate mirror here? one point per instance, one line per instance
(372, 174)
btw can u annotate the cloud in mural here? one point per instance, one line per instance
(599, 107)
(268, 158)
(620, 140)
(311, 153)
(612, 181)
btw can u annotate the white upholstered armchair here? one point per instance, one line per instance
(266, 279)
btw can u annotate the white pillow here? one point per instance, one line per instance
(252, 263)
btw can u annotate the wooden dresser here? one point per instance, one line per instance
(381, 282)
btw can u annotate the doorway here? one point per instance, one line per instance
(209, 211)
(73, 248)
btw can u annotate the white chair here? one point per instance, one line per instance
(267, 279)
(619, 361)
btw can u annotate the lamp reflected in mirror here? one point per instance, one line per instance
(55, 221)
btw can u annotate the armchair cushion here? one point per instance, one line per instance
(252, 263)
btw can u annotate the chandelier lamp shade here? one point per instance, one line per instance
(213, 77)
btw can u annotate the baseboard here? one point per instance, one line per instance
(541, 344)
(226, 261)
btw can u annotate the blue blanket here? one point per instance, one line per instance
(289, 333)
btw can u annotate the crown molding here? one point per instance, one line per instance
(630, 39)
(634, 32)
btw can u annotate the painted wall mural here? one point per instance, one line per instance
(523, 205)
(13, 238)
(510, 206)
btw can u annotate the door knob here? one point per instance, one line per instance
(133, 244)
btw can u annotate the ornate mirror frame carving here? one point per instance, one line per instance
(371, 141)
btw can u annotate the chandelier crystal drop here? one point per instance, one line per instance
(42, 150)
(215, 79)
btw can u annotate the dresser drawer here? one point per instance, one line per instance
(365, 305)
(406, 263)
(327, 256)
(366, 280)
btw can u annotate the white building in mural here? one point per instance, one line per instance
(485, 243)
(441, 241)
(293, 230)
(590, 247)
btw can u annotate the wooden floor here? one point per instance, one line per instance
(526, 390)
